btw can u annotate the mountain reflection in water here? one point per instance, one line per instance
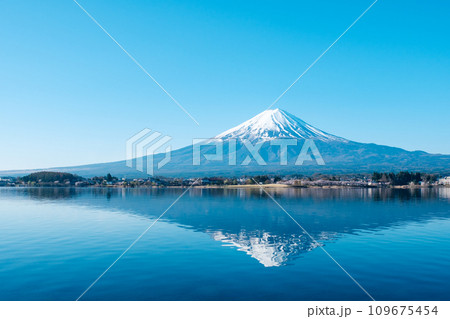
(250, 221)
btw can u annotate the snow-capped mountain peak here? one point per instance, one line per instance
(277, 123)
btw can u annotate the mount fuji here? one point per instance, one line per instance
(263, 133)
(274, 124)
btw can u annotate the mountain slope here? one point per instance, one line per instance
(272, 124)
(264, 132)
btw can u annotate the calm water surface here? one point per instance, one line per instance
(224, 244)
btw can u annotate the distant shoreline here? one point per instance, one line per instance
(251, 186)
(401, 180)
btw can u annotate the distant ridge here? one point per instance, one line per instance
(340, 155)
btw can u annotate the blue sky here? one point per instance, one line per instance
(69, 95)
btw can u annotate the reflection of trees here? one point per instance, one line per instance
(364, 194)
(371, 194)
(59, 193)
(249, 220)
(49, 193)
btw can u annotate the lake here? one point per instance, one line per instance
(224, 244)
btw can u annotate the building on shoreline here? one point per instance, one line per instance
(444, 181)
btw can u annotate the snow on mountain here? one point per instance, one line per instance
(340, 155)
(272, 124)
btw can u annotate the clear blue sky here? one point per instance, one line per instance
(69, 95)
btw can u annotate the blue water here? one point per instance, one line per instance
(216, 244)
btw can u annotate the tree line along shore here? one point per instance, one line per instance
(402, 179)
